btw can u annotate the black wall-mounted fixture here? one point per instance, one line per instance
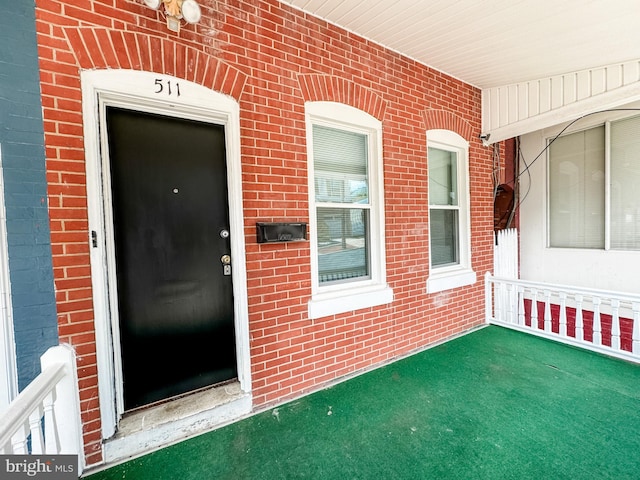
(281, 232)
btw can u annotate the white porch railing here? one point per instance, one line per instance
(599, 320)
(45, 417)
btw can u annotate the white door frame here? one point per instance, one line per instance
(166, 95)
(9, 371)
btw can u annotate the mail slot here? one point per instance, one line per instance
(281, 232)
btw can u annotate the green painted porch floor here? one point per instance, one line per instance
(494, 404)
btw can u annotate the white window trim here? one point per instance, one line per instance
(343, 297)
(8, 361)
(460, 275)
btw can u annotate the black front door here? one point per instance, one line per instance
(171, 224)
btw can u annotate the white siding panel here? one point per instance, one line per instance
(583, 80)
(537, 104)
(545, 95)
(504, 106)
(534, 98)
(512, 108)
(557, 90)
(523, 100)
(598, 81)
(614, 77)
(631, 72)
(570, 88)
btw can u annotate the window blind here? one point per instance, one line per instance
(576, 190)
(625, 179)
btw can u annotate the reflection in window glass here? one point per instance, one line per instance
(342, 204)
(443, 177)
(342, 244)
(444, 237)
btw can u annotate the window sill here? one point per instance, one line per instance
(439, 282)
(325, 304)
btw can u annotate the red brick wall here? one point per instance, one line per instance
(271, 58)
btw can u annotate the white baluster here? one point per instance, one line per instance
(496, 301)
(513, 312)
(19, 440)
(615, 324)
(547, 310)
(635, 347)
(52, 441)
(521, 320)
(488, 298)
(597, 327)
(534, 308)
(35, 427)
(563, 314)
(579, 321)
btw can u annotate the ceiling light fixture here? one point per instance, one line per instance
(176, 10)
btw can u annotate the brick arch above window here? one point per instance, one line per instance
(104, 48)
(446, 120)
(329, 88)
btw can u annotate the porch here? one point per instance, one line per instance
(495, 403)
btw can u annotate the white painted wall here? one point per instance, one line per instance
(608, 270)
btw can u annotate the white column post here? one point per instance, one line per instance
(66, 408)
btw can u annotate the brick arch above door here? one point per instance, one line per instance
(446, 120)
(105, 48)
(330, 88)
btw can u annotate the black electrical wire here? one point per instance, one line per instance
(518, 201)
(573, 122)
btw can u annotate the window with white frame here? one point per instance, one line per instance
(594, 200)
(449, 228)
(346, 209)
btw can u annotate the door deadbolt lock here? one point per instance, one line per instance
(224, 233)
(226, 264)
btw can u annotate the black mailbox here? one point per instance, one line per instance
(281, 232)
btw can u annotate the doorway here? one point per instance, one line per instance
(135, 96)
(172, 254)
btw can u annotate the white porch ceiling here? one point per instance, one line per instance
(490, 43)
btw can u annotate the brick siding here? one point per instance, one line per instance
(271, 58)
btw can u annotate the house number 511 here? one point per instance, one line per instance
(167, 87)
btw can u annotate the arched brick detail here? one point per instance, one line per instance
(319, 87)
(105, 48)
(445, 120)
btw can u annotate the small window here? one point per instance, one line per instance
(449, 229)
(346, 217)
(583, 212)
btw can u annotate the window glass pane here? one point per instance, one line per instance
(625, 184)
(340, 164)
(339, 188)
(443, 232)
(443, 177)
(343, 251)
(576, 190)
